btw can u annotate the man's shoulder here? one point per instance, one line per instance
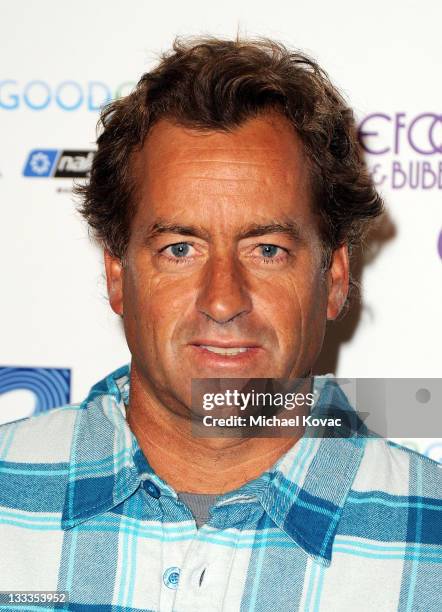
(394, 507)
(47, 437)
(35, 461)
(43, 438)
(388, 467)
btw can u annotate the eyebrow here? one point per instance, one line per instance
(289, 228)
(162, 227)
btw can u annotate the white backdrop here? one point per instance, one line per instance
(61, 60)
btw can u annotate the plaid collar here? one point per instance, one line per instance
(304, 493)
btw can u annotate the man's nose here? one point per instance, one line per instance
(223, 294)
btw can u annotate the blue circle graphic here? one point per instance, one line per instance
(50, 386)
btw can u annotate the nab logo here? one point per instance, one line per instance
(58, 163)
(29, 391)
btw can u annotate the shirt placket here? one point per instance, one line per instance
(205, 575)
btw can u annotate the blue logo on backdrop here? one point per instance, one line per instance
(39, 95)
(50, 386)
(58, 163)
(40, 162)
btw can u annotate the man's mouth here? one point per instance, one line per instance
(228, 351)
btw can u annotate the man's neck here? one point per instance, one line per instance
(196, 465)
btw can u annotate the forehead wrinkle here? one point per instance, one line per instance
(230, 159)
(238, 172)
(219, 161)
(220, 179)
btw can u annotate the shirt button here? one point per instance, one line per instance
(151, 488)
(171, 577)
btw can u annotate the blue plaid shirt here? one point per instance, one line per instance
(337, 524)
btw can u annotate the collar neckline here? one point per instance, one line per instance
(304, 493)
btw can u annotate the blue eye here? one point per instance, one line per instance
(181, 249)
(269, 250)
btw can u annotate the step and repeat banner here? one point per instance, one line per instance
(61, 62)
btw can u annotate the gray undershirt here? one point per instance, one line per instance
(199, 504)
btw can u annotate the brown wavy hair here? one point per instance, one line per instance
(212, 84)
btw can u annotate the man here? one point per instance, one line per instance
(227, 192)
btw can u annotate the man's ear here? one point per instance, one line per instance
(338, 279)
(114, 281)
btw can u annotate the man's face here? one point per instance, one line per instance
(223, 275)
